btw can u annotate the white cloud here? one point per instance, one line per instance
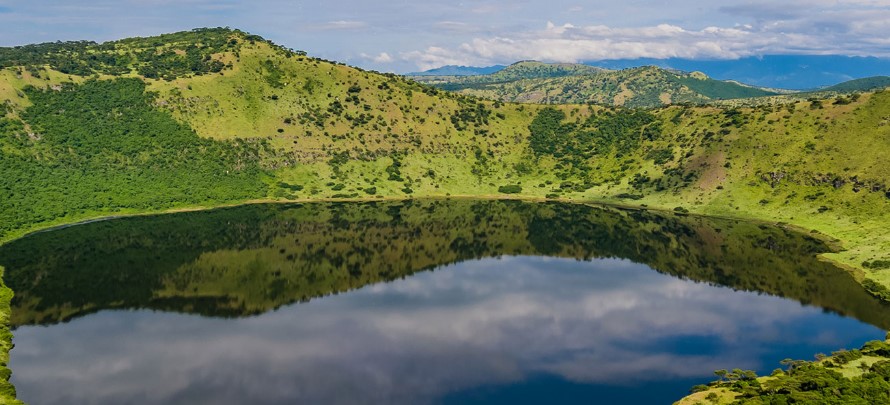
(382, 58)
(831, 31)
(434, 57)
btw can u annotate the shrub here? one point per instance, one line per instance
(510, 189)
(876, 264)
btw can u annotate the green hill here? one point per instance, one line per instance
(215, 117)
(842, 93)
(864, 84)
(537, 82)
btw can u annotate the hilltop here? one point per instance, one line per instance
(797, 72)
(214, 117)
(566, 83)
(638, 87)
(864, 84)
(454, 70)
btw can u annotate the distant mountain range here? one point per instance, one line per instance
(454, 70)
(648, 86)
(645, 86)
(795, 72)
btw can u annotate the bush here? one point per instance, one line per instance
(660, 156)
(628, 196)
(510, 189)
(876, 264)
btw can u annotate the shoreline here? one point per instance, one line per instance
(488, 197)
(834, 244)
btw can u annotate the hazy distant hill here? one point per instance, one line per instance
(865, 84)
(799, 72)
(649, 86)
(454, 70)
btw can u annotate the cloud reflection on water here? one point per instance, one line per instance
(479, 323)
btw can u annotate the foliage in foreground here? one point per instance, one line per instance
(819, 382)
(7, 390)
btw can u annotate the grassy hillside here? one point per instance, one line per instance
(214, 117)
(864, 84)
(537, 82)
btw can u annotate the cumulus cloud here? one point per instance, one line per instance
(381, 58)
(568, 43)
(853, 28)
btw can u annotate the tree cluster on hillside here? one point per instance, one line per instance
(103, 146)
(166, 56)
(804, 382)
(610, 133)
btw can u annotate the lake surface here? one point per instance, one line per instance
(417, 302)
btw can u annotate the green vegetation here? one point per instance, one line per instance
(536, 82)
(166, 56)
(859, 376)
(864, 84)
(103, 147)
(717, 89)
(510, 189)
(7, 391)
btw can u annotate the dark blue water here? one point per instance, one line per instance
(505, 330)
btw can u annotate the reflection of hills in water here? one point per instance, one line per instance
(248, 260)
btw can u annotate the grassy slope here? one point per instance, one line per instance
(864, 84)
(789, 163)
(536, 82)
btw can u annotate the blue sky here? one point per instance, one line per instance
(405, 35)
